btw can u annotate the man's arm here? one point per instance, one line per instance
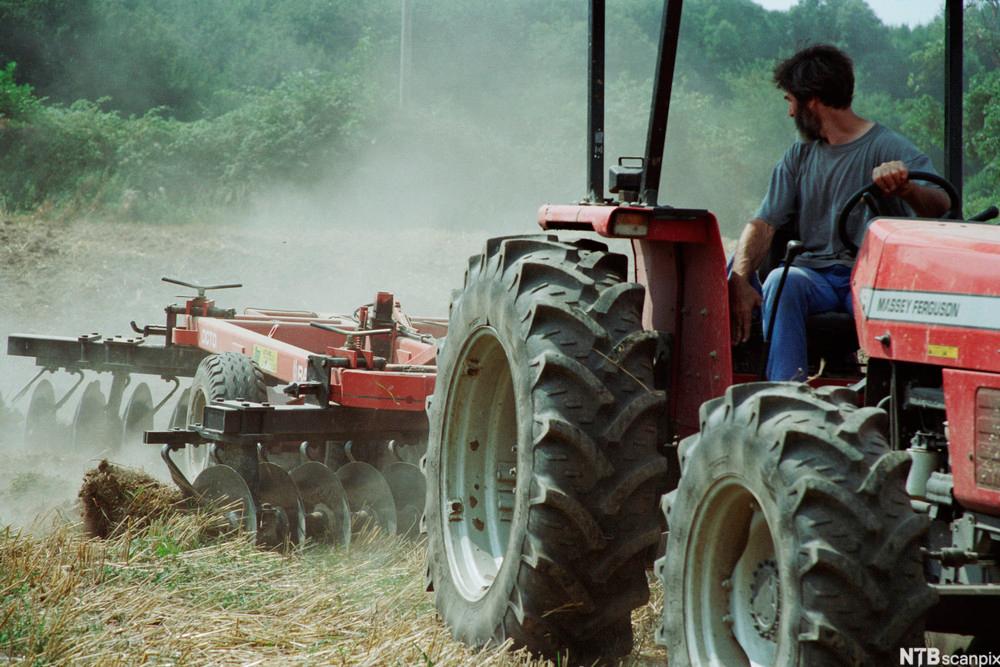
(754, 244)
(894, 179)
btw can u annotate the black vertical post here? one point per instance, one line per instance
(595, 109)
(953, 89)
(662, 87)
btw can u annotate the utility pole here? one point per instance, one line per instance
(405, 29)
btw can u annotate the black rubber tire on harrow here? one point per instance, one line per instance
(845, 540)
(559, 335)
(228, 375)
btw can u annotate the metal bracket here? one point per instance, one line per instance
(175, 473)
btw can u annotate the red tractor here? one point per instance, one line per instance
(821, 523)
(572, 396)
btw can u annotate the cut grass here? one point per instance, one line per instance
(167, 594)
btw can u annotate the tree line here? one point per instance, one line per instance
(181, 104)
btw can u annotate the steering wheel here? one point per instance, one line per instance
(869, 192)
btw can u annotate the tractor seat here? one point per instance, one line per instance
(832, 337)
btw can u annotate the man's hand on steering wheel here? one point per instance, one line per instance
(890, 174)
(893, 178)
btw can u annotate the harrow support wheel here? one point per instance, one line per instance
(542, 467)
(791, 537)
(227, 375)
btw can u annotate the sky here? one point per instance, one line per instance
(892, 12)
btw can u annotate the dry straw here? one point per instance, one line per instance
(165, 589)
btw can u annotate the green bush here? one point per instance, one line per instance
(289, 134)
(59, 153)
(17, 102)
(204, 104)
(83, 153)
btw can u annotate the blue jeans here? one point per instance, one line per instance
(806, 292)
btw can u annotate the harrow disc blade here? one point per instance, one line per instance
(278, 495)
(90, 423)
(328, 515)
(40, 427)
(369, 497)
(138, 415)
(178, 418)
(409, 491)
(222, 486)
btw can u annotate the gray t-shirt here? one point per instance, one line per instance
(813, 180)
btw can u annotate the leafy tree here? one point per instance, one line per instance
(221, 100)
(17, 101)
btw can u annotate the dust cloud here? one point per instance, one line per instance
(482, 139)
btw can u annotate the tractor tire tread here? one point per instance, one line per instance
(861, 588)
(597, 472)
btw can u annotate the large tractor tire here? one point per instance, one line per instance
(230, 376)
(543, 470)
(791, 538)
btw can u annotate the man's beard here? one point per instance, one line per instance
(807, 123)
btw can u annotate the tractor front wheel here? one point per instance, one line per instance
(791, 538)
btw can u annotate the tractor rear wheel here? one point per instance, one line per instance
(543, 470)
(792, 540)
(226, 375)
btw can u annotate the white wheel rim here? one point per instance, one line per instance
(755, 595)
(195, 458)
(732, 601)
(479, 459)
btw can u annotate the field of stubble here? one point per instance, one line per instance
(168, 592)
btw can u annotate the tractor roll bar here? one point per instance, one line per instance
(659, 107)
(595, 110)
(663, 85)
(953, 42)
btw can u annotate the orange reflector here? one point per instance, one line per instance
(630, 223)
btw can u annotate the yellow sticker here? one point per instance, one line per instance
(942, 351)
(266, 358)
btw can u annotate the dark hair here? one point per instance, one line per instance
(821, 71)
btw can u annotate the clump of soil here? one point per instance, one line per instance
(113, 496)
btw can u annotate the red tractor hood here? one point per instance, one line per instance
(929, 292)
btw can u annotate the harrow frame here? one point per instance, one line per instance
(362, 377)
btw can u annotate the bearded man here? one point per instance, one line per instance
(839, 153)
